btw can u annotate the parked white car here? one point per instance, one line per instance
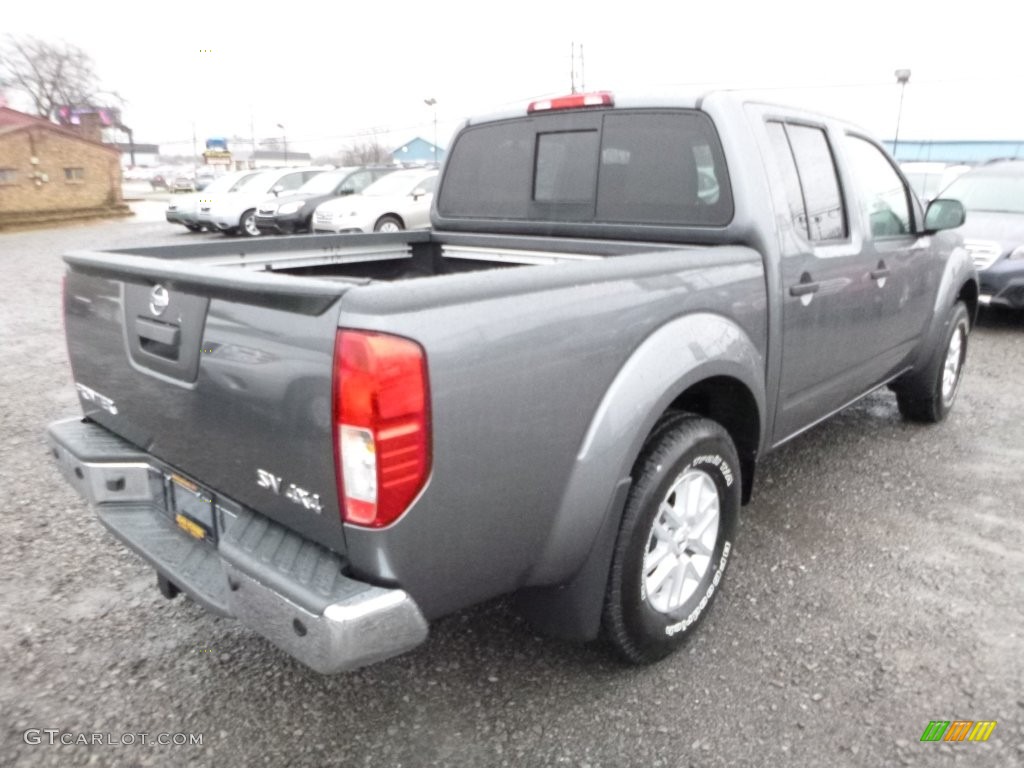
(401, 200)
(234, 212)
(184, 209)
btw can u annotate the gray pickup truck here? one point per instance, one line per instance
(561, 391)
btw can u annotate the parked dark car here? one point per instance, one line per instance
(993, 195)
(294, 212)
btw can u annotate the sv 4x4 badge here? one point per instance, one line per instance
(300, 496)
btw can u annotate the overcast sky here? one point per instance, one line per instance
(330, 71)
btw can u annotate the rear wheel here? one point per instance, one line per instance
(675, 538)
(929, 395)
(247, 224)
(388, 223)
(193, 228)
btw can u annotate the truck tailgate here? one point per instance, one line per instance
(222, 374)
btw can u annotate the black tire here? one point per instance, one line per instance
(683, 448)
(247, 224)
(920, 396)
(383, 221)
(193, 228)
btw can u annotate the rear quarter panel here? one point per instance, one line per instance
(520, 362)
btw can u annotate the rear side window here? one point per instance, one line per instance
(808, 173)
(621, 167)
(822, 197)
(790, 177)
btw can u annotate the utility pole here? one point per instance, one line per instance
(284, 137)
(432, 102)
(252, 135)
(572, 67)
(583, 80)
(902, 76)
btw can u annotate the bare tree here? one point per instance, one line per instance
(51, 74)
(368, 152)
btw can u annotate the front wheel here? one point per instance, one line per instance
(675, 539)
(928, 396)
(247, 224)
(388, 224)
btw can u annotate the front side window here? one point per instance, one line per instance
(882, 196)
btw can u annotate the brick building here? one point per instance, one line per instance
(54, 173)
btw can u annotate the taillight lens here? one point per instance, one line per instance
(573, 101)
(381, 425)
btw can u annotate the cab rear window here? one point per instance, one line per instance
(650, 167)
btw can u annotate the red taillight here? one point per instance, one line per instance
(381, 425)
(574, 101)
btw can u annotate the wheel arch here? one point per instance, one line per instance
(702, 363)
(730, 402)
(968, 294)
(383, 216)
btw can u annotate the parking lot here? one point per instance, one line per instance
(878, 584)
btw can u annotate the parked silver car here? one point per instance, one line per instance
(400, 200)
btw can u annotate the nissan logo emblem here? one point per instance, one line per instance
(158, 300)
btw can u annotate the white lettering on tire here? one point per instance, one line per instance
(681, 626)
(716, 461)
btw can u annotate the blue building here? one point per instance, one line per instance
(418, 151)
(968, 152)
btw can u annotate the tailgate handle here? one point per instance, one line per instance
(158, 338)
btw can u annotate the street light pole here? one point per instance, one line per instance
(902, 76)
(433, 103)
(284, 138)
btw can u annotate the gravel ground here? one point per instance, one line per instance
(878, 584)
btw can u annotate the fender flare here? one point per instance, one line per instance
(568, 579)
(958, 273)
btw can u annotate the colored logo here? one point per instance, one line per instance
(958, 730)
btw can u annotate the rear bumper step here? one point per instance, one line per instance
(289, 589)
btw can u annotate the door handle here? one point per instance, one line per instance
(803, 289)
(161, 333)
(878, 274)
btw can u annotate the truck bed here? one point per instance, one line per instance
(402, 256)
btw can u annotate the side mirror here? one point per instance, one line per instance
(278, 189)
(942, 214)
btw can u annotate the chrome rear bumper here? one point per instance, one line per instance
(290, 590)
